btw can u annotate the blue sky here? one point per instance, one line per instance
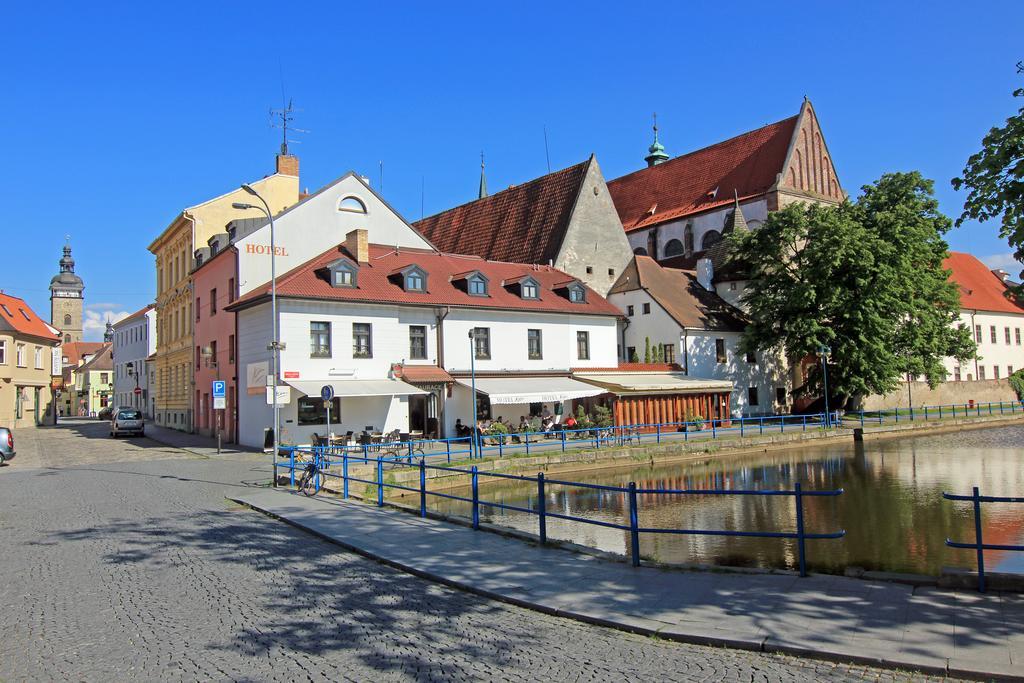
(119, 115)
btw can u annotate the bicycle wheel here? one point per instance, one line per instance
(308, 484)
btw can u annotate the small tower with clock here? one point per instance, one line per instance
(66, 299)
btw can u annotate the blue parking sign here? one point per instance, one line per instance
(219, 389)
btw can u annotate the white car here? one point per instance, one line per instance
(127, 421)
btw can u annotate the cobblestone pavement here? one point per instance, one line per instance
(138, 569)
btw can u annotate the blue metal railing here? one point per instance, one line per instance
(979, 545)
(325, 460)
(936, 412)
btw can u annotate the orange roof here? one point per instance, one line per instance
(75, 351)
(425, 374)
(376, 284)
(980, 288)
(16, 313)
(744, 166)
(134, 315)
(523, 224)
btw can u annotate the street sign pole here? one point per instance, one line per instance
(327, 394)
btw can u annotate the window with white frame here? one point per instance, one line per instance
(352, 204)
(21, 355)
(3, 352)
(39, 358)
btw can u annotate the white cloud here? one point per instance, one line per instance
(1004, 261)
(95, 317)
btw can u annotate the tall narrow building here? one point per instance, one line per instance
(67, 292)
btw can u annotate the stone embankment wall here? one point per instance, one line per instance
(980, 391)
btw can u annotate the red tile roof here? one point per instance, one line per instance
(103, 360)
(523, 224)
(16, 313)
(375, 285)
(135, 315)
(746, 165)
(75, 351)
(980, 288)
(428, 374)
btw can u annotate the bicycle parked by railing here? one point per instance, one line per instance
(309, 482)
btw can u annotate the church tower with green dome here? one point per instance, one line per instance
(67, 294)
(656, 152)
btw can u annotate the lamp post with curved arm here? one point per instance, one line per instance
(275, 344)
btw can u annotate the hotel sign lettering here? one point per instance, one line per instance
(265, 249)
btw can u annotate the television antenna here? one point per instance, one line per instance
(282, 118)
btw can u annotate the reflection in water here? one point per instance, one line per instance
(892, 508)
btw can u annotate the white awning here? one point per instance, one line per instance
(356, 387)
(654, 383)
(518, 390)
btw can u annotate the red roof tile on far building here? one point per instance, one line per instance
(23, 320)
(788, 156)
(376, 282)
(980, 288)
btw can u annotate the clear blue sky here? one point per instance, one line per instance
(118, 116)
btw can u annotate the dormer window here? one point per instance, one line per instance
(476, 285)
(352, 204)
(577, 294)
(415, 280)
(529, 289)
(343, 273)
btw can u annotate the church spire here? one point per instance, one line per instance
(483, 179)
(656, 152)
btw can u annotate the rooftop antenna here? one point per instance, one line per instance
(381, 177)
(547, 156)
(423, 192)
(282, 118)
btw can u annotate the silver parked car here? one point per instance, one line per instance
(127, 421)
(6, 445)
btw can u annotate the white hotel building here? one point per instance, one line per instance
(134, 341)
(388, 329)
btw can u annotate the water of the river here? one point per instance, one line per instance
(892, 508)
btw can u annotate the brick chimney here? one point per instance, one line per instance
(288, 164)
(356, 245)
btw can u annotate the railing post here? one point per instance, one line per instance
(714, 432)
(344, 475)
(448, 449)
(800, 528)
(527, 443)
(805, 423)
(978, 541)
(741, 427)
(423, 487)
(782, 423)
(380, 482)
(978, 406)
(634, 526)
(318, 460)
(562, 432)
(760, 422)
(862, 419)
(476, 499)
(657, 428)
(542, 508)
(291, 458)
(501, 445)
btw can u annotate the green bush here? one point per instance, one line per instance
(694, 419)
(497, 428)
(602, 417)
(1017, 382)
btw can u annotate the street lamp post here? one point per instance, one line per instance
(132, 373)
(474, 447)
(275, 345)
(824, 351)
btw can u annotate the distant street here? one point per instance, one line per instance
(123, 561)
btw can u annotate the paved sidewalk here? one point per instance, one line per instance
(937, 631)
(194, 443)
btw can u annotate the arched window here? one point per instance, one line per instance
(640, 251)
(67, 338)
(352, 205)
(688, 238)
(710, 239)
(673, 247)
(67, 320)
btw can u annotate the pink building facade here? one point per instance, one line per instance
(214, 284)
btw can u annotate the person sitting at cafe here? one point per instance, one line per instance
(460, 429)
(570, 422)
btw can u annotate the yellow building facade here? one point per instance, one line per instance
(26, 365)
(174, 250)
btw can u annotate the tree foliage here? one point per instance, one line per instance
(864, 279)
(994, 178)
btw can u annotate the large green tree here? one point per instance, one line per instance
(994, 178)
(864, 279)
